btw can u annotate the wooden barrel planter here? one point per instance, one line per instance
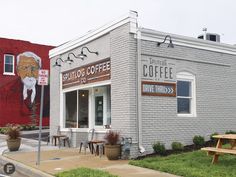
(13, 144)
(113, 151)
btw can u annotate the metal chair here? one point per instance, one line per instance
(87, 143)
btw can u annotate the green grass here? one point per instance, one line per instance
(84, 172)
(191, 164)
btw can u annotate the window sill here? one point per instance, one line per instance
(84, 130)
(10, 74)
(186, 115)
(75, 129)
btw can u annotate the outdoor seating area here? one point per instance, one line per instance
(219, 150)
(96, 146)
(60, 138)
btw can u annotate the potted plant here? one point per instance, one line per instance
(112, 146)
(13, 137)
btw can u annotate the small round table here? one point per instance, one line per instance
(57, 137)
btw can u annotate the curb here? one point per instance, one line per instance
(24, 169)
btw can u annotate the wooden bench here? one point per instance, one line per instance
(217, 151)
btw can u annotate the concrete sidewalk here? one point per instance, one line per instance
(54, 160)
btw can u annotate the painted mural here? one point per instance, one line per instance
(19, 92)
(28, 65)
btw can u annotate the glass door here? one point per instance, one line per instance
(99, 110)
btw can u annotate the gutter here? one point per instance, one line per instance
(139, 97)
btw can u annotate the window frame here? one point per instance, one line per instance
(13, 65)
(103, 93)
(91, 106)
(186, 76)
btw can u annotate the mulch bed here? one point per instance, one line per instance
(188, 148)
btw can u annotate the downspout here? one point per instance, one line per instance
(139, 97)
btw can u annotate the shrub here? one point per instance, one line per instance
(177, 146)
(198, 141)
(230, 132)
(3, 130)
(28, 127)
(159, 148)
(112, 137)
(13, 131)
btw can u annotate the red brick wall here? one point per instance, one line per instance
(13, 109)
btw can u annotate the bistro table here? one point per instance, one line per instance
(216, 151)
(56, 138)
(96, 146)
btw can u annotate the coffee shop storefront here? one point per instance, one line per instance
(148, 92)
(87, 104)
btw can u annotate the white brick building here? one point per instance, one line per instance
(147, 92)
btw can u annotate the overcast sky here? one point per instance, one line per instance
(54, 22)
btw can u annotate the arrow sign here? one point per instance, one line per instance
(158, 89)
(169, 90)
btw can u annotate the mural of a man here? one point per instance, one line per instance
(28, 65)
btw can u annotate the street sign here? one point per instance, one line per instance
(43, 77)
(158, 89)
(42, 80)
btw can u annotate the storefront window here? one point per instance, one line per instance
(83, 108)
(93, 101)
(71, 109)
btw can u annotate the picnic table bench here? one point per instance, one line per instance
(218, 150)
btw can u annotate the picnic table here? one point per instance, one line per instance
(218, 150)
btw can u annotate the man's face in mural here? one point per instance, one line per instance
(27, 69)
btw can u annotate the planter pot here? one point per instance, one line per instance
(13, 144)
(113, 151)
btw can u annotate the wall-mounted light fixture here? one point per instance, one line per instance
(58, 63)
(171, 45)
(80, 56)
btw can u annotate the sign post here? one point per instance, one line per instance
(42, 80)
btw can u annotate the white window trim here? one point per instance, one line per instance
(62, 99)
(91, 112)
(186, 76)
(13, 71)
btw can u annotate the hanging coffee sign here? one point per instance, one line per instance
(94, 72)
(158, 77)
